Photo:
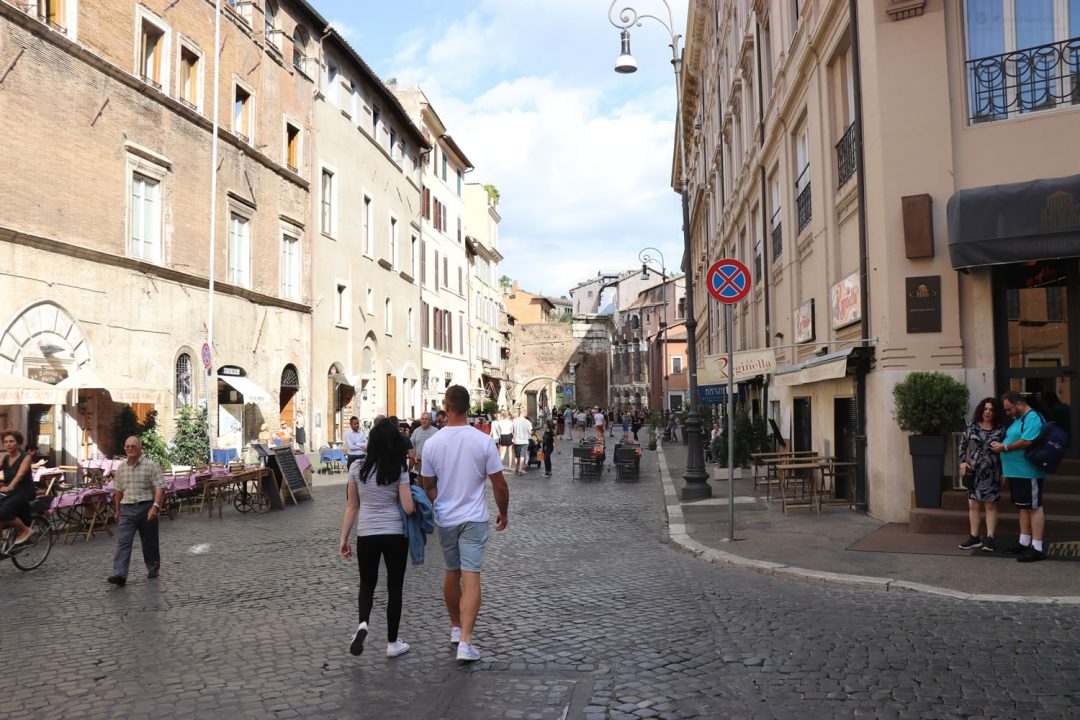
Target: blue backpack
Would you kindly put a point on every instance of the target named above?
(1046, 451)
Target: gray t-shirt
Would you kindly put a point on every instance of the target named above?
(420, 436)
(379, 504)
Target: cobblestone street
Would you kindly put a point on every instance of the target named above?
(587, 613)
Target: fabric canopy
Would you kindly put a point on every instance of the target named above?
(1036, 220)
(18, 390)
(122, 389)
(827, 367)
(252, 393)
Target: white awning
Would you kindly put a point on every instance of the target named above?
(19, 390)
(827, 367)
(252, 393)
(121, 389)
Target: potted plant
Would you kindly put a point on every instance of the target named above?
(655, 421)
(929, 405)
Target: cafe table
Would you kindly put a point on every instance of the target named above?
(799, 479)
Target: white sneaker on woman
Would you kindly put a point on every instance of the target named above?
(396, 648)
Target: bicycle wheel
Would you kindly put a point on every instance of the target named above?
(242, 501)
(41, 541)
(260, 502)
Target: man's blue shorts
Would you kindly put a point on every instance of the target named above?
(463, 545)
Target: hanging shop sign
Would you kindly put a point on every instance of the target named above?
(923, 304)
(846, 301)
(804, 322)
(713, 369)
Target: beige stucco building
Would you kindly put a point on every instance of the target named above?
(855, 271)
(487, 371)
(106, 220)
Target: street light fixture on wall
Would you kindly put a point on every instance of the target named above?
(646, 259)
(697, 486)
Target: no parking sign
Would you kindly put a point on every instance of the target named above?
(728, 280)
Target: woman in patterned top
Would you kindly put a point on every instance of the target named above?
(975, 457)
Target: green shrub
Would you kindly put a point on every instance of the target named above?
(751, 436)
(154, 446)
(191, 443)
(930, 403)
(125, 425)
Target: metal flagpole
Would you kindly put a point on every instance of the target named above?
(731, 420)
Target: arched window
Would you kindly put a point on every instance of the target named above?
(184, 383)
(270, 23)
(389, 317)
(299, 53)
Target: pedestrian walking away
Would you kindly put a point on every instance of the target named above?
(139, 492)
(504, 429)
(598, 423)
(456, 463)
(549, 442)
(1022, 477)
(568, 422)
(378, 492)
(980, 470)
(522, 430)
(356, 441)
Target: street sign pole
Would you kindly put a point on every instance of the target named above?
(731, 419)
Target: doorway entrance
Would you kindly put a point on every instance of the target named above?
(802, 436)
(1036, 347)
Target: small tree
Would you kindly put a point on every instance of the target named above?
(125, 425)
(191, 443)
(930, 403)
(751, 436)
(154, 446)
(490, 407)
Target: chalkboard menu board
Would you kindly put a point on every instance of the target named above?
(284, 465)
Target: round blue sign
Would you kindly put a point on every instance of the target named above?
(728, 280)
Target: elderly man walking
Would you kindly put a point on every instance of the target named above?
(140, 489)
(458, 461)
(420, 436)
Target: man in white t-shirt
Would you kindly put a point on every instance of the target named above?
(455, 463)
(355, 442)
(598, 423)
(522, 430)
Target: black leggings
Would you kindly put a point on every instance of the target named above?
(369, 549)
(547, 460)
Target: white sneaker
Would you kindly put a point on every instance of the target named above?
(396, 648)
(455, 635)
(357, 645)
(467, 652)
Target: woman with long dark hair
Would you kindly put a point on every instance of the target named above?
(982, 470)
(17, 490)
(378, 491)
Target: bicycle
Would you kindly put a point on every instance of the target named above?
(31, 554)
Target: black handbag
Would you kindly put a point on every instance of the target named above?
(968, 480)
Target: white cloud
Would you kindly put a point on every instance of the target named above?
(346, 30)
(581, 156)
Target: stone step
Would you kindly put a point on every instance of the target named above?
(1064, 504)
(955, 522)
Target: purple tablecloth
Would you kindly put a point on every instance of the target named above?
(81, 496)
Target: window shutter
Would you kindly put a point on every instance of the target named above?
(426, 202)
(436, 269)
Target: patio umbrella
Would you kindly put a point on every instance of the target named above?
(122, 389)
(18, 390)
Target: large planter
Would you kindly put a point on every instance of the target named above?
(928, 468)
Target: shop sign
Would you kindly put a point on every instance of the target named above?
(47, 375)
(846, 301)
(804, 322)
(713, 368)
(231, 371)
(923, 304)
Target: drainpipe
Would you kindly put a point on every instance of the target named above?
(864, 264)
(764, 216)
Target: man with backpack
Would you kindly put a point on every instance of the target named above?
(1023, 477)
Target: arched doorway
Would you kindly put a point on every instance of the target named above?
(287, 396)
(339, 397)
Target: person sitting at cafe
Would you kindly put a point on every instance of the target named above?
(18, 490)
(283, 436)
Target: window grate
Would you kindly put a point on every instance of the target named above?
(1023, 81)
(845, 156)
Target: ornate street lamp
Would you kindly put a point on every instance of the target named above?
(697, 486)
(646, 259)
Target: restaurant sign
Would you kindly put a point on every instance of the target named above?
(231, 371)
(47, 375)
(846, 301)
(804, 322)
(713, 369)
(923, 304)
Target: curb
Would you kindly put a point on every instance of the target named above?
(679, 539)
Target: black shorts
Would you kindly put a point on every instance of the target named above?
(506, 440)
(1027, 493)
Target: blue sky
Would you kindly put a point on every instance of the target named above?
(581, 155)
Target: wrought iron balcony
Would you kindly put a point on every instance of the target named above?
(803, 203)
(1023, 81)
(845, 156)
(777, 241)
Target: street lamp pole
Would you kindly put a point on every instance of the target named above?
(645, 259)
(697, 486)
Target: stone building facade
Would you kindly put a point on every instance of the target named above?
(856, 193)
(105, 225)
(489, 352)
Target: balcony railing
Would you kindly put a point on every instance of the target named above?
(1023, 81)
(777, 241)
(803, 204)
(845, 156)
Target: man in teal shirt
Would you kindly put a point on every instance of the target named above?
(1024, 479)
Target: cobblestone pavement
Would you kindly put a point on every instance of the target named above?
(587, 614)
